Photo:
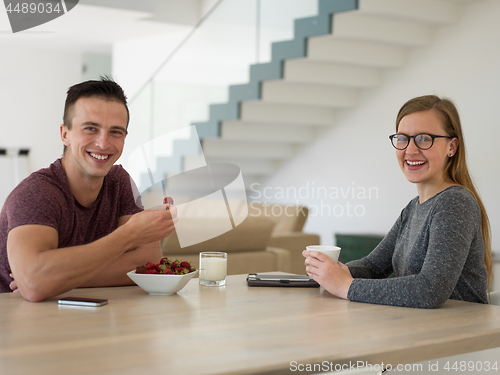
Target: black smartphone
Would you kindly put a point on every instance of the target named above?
(83, 301)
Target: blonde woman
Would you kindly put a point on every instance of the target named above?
(439, 247)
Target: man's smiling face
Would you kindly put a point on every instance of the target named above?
(96, 138)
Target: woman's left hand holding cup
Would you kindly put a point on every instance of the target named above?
(332, 275)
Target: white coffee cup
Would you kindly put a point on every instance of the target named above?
(332, 251)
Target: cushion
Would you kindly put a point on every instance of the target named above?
(288, 218)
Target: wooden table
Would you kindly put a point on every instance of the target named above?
(227, 330)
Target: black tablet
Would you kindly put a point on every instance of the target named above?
(296, 281)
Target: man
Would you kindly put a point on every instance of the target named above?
(76, 223)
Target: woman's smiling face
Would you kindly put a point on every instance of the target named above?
(425, 167)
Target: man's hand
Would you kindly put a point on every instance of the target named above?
(152, 225)
(13, 285)
(143, 253)
(335, 277)
(43, 270)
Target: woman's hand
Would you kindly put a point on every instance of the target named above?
(335, 277)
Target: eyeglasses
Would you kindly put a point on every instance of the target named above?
(422, 141)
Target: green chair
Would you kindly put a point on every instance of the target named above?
(356, 246)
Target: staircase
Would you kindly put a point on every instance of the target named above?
(291, 101)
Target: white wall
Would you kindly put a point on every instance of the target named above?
(463, 64)
(32, 93)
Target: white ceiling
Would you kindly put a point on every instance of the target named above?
(87, 28)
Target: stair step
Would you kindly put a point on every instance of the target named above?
(255, 167)
(261, 111)
(219, 148)
(193, 161)
(279, 91)
(361, 53)
(330, 73)
(353, 25)
(268, 132)
(434, 12)
(289, 101)
(248, 166)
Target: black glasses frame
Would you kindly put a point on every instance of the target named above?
(433, 137)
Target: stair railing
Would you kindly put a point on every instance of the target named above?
(215, 55)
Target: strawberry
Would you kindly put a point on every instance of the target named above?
(181, 270)
(161, 267)
(166, 267)
(168, 200)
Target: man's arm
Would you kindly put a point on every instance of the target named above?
(116, 273)
(42, 270)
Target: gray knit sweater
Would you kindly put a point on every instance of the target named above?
(435, 251)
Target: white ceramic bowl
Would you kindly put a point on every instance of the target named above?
(156, 284)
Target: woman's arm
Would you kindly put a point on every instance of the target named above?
(337, 278)
(378, 264)
(451, 231)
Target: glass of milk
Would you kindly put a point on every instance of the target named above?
(213, 268)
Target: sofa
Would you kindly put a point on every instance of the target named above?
(269, 239)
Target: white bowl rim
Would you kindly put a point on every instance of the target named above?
(160, 274)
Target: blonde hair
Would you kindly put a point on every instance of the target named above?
(456, 168)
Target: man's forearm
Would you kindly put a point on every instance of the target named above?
(41, 274)
(42, 270)
(115, 274)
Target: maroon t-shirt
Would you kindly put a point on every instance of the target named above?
(45, 198)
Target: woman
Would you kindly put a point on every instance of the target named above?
(439, 247)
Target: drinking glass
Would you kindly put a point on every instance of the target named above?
(213, 268)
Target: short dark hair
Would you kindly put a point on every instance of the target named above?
(105, 88)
